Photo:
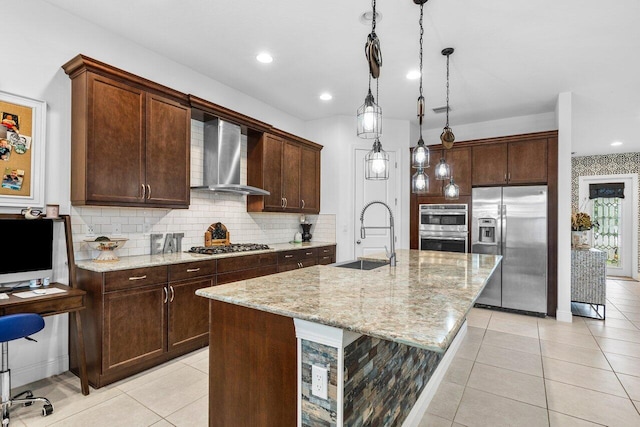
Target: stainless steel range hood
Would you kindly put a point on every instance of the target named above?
(222, 150)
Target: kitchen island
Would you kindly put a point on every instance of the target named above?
(381, 335)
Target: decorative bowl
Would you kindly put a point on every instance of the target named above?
(106, 248)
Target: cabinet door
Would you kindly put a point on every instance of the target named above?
(459, 159)
(135, 325)
(528, 162)
(167, 152)
(310, 180)
(489, 164)
(272, 171)
(291, 155)
(115, 142)
(188, 314)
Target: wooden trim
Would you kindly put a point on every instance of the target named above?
(552, 227)
(295, 138)
(204, 110)
(502, 139)
(82, 63)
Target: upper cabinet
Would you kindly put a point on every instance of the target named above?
(130, 139)
(510, 163)
(286, 166)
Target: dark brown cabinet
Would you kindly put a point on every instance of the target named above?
(130, 143)
(137, 318)
(459, 160)
(246, 267)
(286, 167)
(298, 258)
(514, 162)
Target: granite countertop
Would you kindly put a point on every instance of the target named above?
(421, 302)
(141, 261)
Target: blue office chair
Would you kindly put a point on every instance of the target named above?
(12, 327)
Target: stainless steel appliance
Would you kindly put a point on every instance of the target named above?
(225, 249)
(221, 156)
(512, 222)
(444, 227)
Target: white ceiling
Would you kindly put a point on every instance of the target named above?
(512, 57)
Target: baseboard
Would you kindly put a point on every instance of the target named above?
(564, 316)
(28, 374)
(421, 405)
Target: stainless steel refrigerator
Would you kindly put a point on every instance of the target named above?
(512, 222)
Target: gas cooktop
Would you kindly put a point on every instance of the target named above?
(236, 247)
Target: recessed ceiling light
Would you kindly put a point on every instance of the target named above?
(367, 17)
(413, 75)
(326, 96)
(265, 58)
(616, 144)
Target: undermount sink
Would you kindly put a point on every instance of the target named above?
(361, 264)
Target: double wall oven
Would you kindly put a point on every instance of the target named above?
(444, 227)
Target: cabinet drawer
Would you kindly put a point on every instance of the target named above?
(250, 273)
(294, 265)
(297, 255)
(244, 262)
(188, 270)
(326, 250)
(134, 278)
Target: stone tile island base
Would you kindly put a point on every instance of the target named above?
(260, 373)
(371, 381)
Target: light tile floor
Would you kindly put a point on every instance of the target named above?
(511, 370)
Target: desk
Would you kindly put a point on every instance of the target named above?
(71, 301)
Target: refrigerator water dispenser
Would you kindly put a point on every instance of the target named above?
(487, 230)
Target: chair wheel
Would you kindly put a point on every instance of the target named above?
(47, 410)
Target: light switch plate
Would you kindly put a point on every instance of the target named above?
(319, 381)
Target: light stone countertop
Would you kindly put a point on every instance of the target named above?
(141, 261)
(421, 302)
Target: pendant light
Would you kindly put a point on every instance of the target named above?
(376, 163)
(447, 137)
(443, 171)
(420, 154)
(370, 113)
(451, 190)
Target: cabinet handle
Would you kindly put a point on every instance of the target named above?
(166, 295)
(138, 277)
(326, 251)
(288, 256)
(309, 253)
(173, 293)
(285, 202)
(192, 270)
(509, 176)
(505, 177)
(144, 191)
(282, 202)
(302, 203)
(148, 191)
(300, 264)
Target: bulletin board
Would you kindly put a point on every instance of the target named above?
(22, 131)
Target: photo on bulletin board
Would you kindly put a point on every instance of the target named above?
(22, 150)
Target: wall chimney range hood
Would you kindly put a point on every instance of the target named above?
(222, 150)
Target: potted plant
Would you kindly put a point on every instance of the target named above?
(580, 224)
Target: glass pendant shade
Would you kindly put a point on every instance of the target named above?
(420, 155)
(376, 163)
(443, 171)
(369, 118)
(451, 190)
(420, 182)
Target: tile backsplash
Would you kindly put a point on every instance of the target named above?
(136, 224)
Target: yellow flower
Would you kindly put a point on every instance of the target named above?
(580, 221)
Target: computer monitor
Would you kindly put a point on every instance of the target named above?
(27, 250)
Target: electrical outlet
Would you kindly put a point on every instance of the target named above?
(117, 229)
(319, 381)
(90, 230)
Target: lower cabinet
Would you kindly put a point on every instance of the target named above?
(138, 318)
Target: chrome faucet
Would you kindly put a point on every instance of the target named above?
(392, 253)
